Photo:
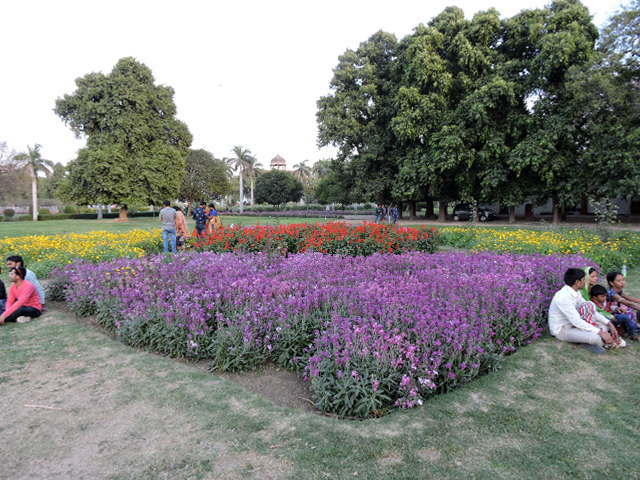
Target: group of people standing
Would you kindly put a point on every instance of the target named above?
(174, 227)
(390, 213)
(26, 296)
(586, 312)
(174, 224)
(207, 218)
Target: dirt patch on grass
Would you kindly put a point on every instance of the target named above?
(241, 465)
(390, 458)
(278, 385)
(428, 454)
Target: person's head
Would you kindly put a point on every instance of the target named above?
(166, 203)
(593, 276)
(212, 206)
(17, 274)
(575, 278)
(598, 293)
(616, 280)
(203, 204)
(15, 261)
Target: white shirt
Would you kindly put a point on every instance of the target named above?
(564, 311)
(33, 279)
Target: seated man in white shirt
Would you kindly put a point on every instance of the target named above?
(565, 322)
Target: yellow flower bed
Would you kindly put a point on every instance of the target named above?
(611, 253)
(42, 253)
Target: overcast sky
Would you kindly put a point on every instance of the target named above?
(245, 72)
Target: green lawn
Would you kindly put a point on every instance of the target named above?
(50, 227)
(79, 404)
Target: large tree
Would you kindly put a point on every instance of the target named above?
(206, 177)
(244, 163)
(277, 187)
(136, 148)
(34, 163)
(356, 115)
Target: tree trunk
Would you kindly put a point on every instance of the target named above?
(252, 187)
(34, 195)
(584, 205)
(512, 214)
(442, 211)
(241, 192)
(412, 207)
(428, 213)
(124, 214)
(556, 212)
(400, 208)
(99, 210)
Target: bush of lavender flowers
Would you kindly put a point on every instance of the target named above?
(369, 333)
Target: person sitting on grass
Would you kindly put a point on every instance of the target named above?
(23, 303)
(565, 322)
(594, 312)
(16, 261)
(623, 305)
(3, 295)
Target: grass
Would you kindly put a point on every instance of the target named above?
(51, 227)
(551, 411)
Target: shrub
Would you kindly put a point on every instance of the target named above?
(9, 213)
(370, 333)
(69, 209)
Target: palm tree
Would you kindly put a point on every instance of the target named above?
(34, 162)
(242, 161)
(252, 170)
(302, 171)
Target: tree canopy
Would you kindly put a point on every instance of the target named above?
(206, 178)
(277, 187)
(487, 109)
(136, 148)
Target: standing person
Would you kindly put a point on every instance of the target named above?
(200, 216)
(565, 322)
(214, 218)
(14, 261)
(378, 213)
(23, 303)
(181, 228)
(395, 214)
(168, 219)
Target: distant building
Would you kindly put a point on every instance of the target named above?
(278, 163)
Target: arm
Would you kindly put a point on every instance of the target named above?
(629, 301)
(601, 319)
(568, 308)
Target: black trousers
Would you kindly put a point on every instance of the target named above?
(23, 312)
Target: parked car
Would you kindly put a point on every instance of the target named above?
(463, 212)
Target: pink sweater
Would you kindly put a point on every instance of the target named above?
(25, 296)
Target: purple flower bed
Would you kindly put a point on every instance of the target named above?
(369, 333)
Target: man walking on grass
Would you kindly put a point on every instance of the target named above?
(565, 322)
(168, 219)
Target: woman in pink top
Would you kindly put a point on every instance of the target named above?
(23, 303)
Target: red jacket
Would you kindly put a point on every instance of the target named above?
(25, 296)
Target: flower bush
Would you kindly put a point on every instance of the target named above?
(369, 333)
(333, 238)
(619, 249)
(42, 253)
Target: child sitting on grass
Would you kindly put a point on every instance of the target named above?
(595, 313)
(623, 305)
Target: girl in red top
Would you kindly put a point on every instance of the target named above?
(23, 303)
